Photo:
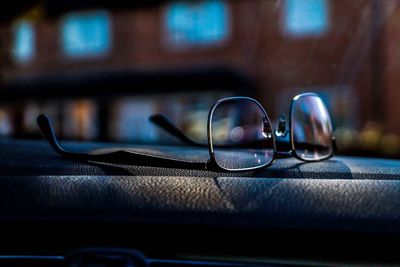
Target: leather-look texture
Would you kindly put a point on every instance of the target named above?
(227, 201)
(342, 193)
(19, 158)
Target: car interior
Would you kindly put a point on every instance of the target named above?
(221, 133)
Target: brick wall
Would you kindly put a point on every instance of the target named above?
(350, 53)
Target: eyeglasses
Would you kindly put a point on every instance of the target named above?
(240, 137)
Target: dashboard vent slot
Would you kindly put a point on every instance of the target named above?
(32, 261)
(196, 263)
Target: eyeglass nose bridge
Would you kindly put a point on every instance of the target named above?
(267, 129)
(281, 130)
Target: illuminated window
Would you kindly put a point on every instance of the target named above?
(198, 23)
(24, 41)
(86, 34)
(306, 17)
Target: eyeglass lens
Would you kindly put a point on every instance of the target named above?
(311, 128)
(241, 135)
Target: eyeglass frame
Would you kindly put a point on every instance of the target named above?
(212, 164)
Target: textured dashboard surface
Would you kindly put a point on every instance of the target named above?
(230, 201)
(19, 158)
(341, 193)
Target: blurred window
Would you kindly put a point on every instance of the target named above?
(80, 119)
(24, 41)
(86, 34)
(6, 127)
(131, 121)
(306, 17)
(197, 23)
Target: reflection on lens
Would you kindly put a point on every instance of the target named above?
(241, 135)
(311, 128)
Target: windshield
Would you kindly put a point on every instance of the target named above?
(100, 71)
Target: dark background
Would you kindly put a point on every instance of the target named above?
(178, 57)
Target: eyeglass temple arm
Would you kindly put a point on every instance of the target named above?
(334, 145)
(162, 122)
(48, 132)
(118, 156)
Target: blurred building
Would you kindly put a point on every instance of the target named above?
(345, 50)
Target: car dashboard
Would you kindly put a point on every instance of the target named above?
(339, 212)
